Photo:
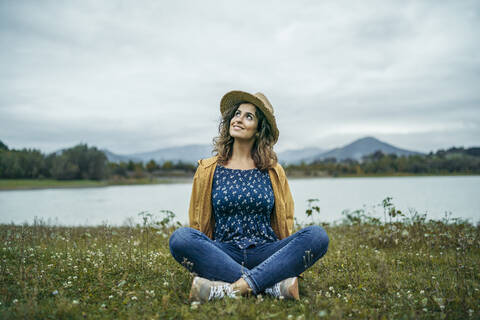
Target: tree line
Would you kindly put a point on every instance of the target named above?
(77, 163)
(137, 170)
(84, 162)
(451, 161)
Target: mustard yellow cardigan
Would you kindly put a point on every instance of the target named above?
(200, 211)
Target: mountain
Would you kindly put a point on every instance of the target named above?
(297, 155)
(188, 153)
(191, 153)
(112, 157)
(362, 147)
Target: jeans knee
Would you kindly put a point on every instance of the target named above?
(179, 240)
(319, 238)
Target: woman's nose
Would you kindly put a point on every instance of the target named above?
(238, 119)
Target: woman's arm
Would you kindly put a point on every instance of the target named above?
(192, 212)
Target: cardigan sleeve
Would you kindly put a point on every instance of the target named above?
(289, 205)
(193, 215)
(285, 223)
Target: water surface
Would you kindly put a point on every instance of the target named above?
(434, 196)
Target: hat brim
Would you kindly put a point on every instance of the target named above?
(233, 98)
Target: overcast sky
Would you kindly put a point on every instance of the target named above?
(134, 76)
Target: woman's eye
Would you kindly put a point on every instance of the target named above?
(237, 113)
(249, 117)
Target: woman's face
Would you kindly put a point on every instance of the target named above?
(244, 122)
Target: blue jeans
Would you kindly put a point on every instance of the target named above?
(261, 266)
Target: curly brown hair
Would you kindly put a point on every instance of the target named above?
(262, 150)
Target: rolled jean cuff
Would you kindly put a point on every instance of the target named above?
(251, 283)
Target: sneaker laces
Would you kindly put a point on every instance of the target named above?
(274, 291)
(218, 292)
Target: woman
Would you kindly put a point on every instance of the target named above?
(241, 212)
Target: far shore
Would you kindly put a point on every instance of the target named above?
(29, 184)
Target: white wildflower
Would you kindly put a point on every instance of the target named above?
(322, 313)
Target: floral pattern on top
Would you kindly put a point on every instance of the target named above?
(242, 202)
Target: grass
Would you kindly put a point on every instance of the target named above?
(406, 174)
(20, 184)
(14, 184)
(393, 269)
(322, 174)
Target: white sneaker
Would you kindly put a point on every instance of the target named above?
(287, 289)
(204, 290)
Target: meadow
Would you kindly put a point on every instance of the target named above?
(22, 184)
(400, 267)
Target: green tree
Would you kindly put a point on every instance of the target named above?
(3, 146)
(131, 165)
(10, 165)
(119, 169)
(32, 163)
(167, 165)
(63, 168)
(151, 166)
(79, 162)
(26, 163)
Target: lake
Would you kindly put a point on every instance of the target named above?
(113, 205)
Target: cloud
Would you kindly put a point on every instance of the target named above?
(137, 77)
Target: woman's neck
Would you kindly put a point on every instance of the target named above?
(241, 156)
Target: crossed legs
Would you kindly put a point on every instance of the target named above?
(253, 269)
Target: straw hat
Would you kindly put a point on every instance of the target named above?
(258, 99)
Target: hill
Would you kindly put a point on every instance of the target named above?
(186, 154)
(191, 153)
(360, 148)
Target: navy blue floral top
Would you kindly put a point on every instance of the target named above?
(242, 202)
